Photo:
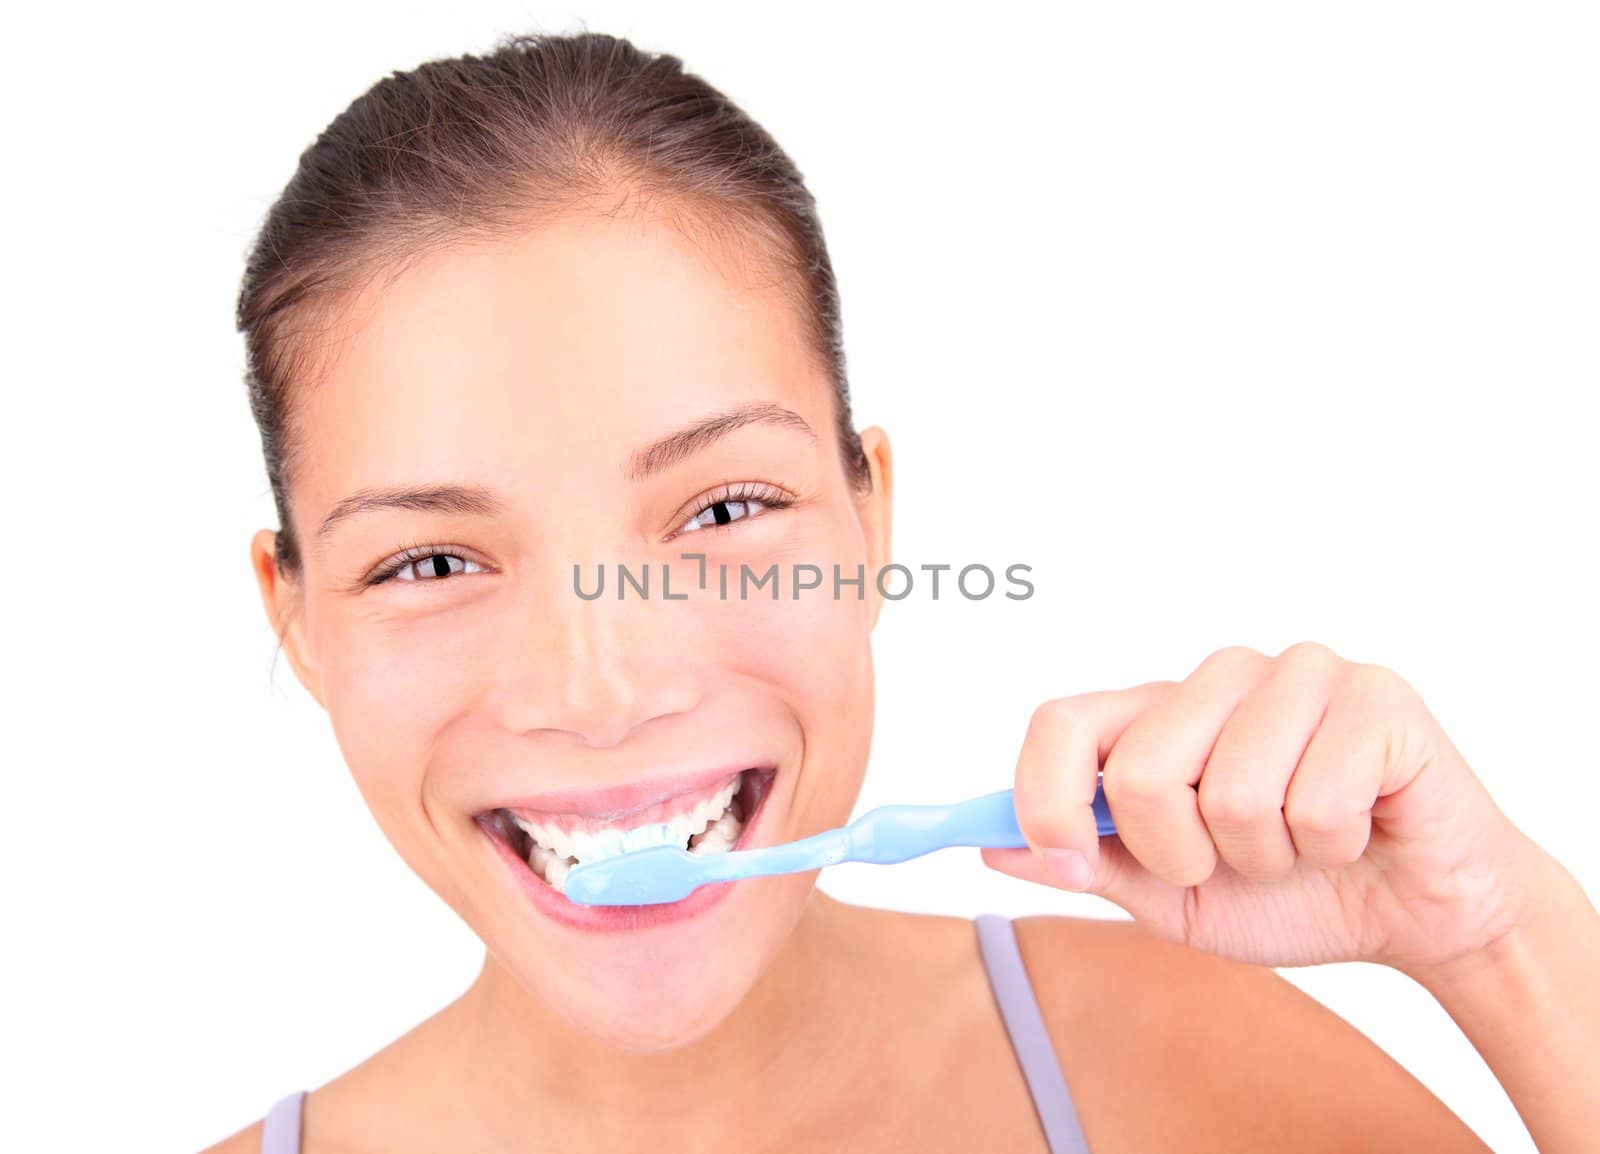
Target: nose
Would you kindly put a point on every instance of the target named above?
(596, 670)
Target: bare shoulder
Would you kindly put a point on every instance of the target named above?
(368, 1105)
(246, 1141)
(1156, 1039)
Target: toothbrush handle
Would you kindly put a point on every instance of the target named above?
(895, 833)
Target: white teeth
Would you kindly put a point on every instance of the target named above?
(706, 812)
(709, 827)
(646, 836)
(719, 837)
(556, 872)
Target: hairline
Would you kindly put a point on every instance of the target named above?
(743, 234)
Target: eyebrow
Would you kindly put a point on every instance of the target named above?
(423, 499)
(674, 447)
(474, 499)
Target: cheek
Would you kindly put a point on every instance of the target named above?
(814, 644)
(392, 687)
(814, 652)
(816, 649)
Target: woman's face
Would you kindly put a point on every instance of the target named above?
(599, 392)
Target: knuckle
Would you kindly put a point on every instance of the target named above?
(1231, 802)
(1131, 778)
(1317, 817)
(1054, 709)
(1309, 655)
(1233, 659)
(1375, 683)
(1055, 716)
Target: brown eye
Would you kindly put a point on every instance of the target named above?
(721, 513)
(435, 566)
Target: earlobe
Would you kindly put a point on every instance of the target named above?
(280, 598)
(877, 508)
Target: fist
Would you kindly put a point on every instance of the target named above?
(1283, 810)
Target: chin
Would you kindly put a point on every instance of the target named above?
(640, 979)
(668, 986)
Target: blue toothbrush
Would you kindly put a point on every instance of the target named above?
(891, 833)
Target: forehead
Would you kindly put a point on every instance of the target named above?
(587, 329)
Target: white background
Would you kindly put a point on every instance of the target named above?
(1240, 323)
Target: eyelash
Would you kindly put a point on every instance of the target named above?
(411, 554)
(768, 496)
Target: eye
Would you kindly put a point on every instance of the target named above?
(732, 504)
(423, 564)
(722, 512)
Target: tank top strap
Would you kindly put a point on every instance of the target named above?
(1019, 1009)
(1008, 978)
(280, 1131)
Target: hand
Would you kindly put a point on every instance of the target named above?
(1281, 810)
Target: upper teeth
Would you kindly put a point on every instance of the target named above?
(711, 818)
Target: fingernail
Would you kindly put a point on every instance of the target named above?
(1070, 867)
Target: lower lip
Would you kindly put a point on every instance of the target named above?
(606, 919)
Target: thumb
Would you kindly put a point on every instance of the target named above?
(1114, 874)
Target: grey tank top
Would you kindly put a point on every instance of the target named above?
(1008, 978)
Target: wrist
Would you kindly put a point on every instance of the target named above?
(1511, 966)
(1528, 1003)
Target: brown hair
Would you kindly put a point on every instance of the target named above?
(478, 145)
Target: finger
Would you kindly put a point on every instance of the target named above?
(1345, 768)
(1246, 778)
(1058, 772)
(1020, 863)
(1118, 877)
(1152, 768)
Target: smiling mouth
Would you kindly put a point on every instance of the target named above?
(704, 821)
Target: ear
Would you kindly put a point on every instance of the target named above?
(281, 597)
(876, 508)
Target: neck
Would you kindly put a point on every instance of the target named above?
(795, 1036)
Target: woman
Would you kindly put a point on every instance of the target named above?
(521, 320)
